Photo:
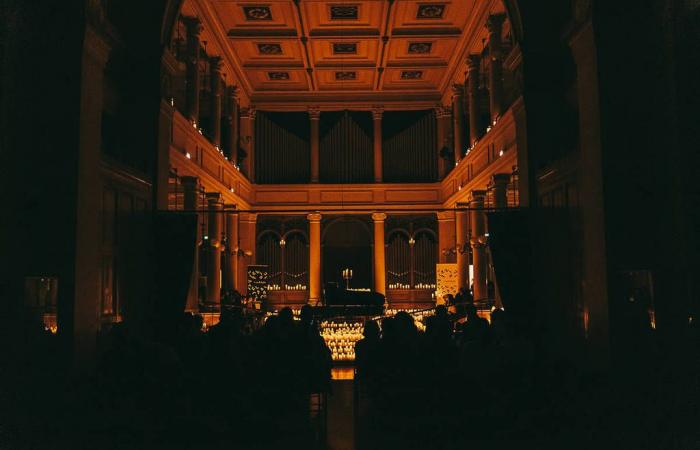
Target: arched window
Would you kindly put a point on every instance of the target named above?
(295, 274)
(398, 261)
(424, 257)
(269, 253)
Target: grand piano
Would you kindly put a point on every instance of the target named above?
(352, 302)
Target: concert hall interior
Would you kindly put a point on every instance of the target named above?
(350, 224)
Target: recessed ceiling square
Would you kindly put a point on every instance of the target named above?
(345, 48)
(411, 74)
(419, 47)
(430, 11)
(269, 48)
(278, 76)
(257, 12)
(346, 75)
(344, 12)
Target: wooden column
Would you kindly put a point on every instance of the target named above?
(379, 253)
(473, 63)
(190, 204)
(86, 306)
(478, 243)
(231, 267)
(314, 121)
(462, 244)
(446, 236)
(215, 103)
(247, 237)
(214, 270)
(442, 116)
(314, 258)
(232, 118)
(458, 120)
(500, 190)
(495, 26)
(194, 28)
(377, 119)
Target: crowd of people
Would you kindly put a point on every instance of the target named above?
(463, 379)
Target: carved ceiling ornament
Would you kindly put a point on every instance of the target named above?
(344, 48)
(430, 11)
(411, 74)
(419, 47)
(259, 12)
(344, 12)
(269, 48)
(346, 75)
(278, 76)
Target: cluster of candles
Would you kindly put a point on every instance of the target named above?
(347, 273)
(288, 287)
(408, 286)
(341, 338)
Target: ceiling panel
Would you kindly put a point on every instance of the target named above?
(345, 79)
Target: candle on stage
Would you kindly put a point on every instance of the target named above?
(347, 275)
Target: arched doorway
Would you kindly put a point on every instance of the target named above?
(347, 244)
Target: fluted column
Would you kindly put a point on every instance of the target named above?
(442, 115)
(215, 104)
(379, 251)
(314, 120)
(194, 28)
(478, 243)
(248, 131)
(377, 119)
(247, 224)
(189, 185)
(500, 190)
(473, 64)
(314, 258)
(495, 26)
(232, 119)
(215, 247)
(231, 268)
(458, 120)
(462, 244)
(446, 236)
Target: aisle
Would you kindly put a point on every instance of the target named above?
(341, 429)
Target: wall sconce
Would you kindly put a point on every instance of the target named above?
(411, 241)
(283, 242)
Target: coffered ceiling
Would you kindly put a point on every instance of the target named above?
(367, 50)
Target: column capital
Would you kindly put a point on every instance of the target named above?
(457, 90)
(377, 112)
(232, 91)
(442, 111)
(248, 217)
(500, 178)
(193, 24)
(248, 112)
(215, 64)
(314, 217)
(231, 207)
(494, 23)
(446, 216)
(214, 197)
(477, 196)
(314, 113)
(378, 217)
(473, 62)
(187, 180)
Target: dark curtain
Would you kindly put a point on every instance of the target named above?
(408, 146)
(282, 149)
(346, 147)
